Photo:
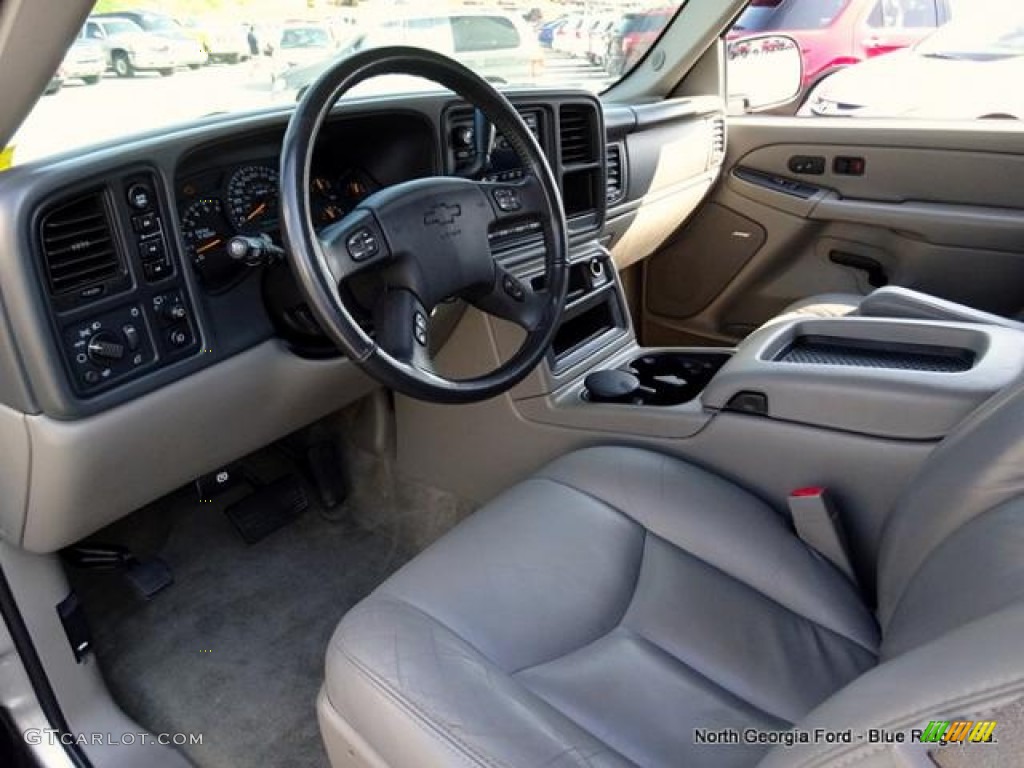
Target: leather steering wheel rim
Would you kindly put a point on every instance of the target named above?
(426, 236)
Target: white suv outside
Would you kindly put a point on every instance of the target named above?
(498, 45)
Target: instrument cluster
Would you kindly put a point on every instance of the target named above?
(218, 204)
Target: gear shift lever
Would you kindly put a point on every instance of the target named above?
(611, 386)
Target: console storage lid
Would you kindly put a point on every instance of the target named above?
(900, 379)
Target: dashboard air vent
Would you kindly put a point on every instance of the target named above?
(615, 175)
(577, 131)
(78, 244)
(717, 140)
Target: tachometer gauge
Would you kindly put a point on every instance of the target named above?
(252, 196)
(207, 231)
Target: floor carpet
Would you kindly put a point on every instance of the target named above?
(234, 649)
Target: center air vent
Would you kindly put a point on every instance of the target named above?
(578, 129)
(615, 175)
(78, 244)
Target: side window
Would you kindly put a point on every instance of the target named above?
(483, 33)
(94, 31)
(904, 14)
(881, 59)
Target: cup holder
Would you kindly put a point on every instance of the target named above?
(673, 378)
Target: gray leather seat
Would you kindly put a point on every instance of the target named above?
(601, 611)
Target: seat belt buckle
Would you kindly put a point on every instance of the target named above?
(817, 523)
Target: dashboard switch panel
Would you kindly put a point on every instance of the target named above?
(171, 315)
(107, 348)
(111, 337)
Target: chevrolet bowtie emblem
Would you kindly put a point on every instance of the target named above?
(442, 215)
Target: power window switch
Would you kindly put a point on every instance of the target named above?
(807, 165)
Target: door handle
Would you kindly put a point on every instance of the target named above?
(877, 276)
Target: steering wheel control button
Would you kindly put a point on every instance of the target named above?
(507, 199)
(513, 288)
(362, 244)
(140, 197)
(420, 329)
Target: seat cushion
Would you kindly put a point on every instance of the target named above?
(597, 614)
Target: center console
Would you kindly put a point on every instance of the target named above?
(907, 379)
(893, 378)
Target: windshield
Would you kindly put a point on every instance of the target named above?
(981, 40)
(232, 56)
(774, 15)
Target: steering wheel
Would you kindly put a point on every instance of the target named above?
(426, 239)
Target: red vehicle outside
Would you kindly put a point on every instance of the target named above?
(833, 34)
(631, 38)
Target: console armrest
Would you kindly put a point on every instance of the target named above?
(893, 301)
(893, 378)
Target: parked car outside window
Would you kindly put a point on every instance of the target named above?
(959, 73)
(833, 34)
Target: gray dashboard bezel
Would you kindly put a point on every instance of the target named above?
(33, 378)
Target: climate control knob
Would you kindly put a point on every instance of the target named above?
(105, 347)
(172, 313)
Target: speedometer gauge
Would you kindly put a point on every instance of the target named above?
(252, 198)
(207, 232)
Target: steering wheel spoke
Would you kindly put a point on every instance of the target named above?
(354, 244)
(402, 326)
(514, 300)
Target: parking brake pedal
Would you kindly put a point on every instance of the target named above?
(268, 508)
(146, 576)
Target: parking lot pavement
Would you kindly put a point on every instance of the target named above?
(88, 114)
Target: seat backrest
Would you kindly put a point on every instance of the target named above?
(950, 600)
(953, 549)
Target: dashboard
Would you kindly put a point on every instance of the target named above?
(129, 273)
(135, 356)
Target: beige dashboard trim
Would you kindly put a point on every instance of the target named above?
(85, 474)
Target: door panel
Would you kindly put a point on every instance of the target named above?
(933, 208)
